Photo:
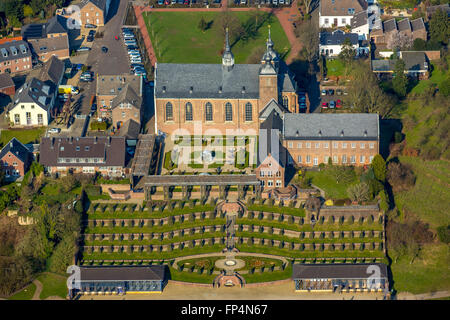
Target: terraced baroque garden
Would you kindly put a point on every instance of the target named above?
(161, 232)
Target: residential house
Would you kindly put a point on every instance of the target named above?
(32, 103)
(385, 35)
(53, 70)
(330, 43)
(126, 106)
(416, 64)
(346, 138)
(338, 13)
(15, 56)
(48, 39)
(7, 86)
(94, 12)
(105, 155)
(110, 86)
(15, 159)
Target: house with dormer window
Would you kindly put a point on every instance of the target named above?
(339, 13)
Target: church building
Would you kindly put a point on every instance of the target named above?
(223, 96)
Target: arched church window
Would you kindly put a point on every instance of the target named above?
(208, 112)
(228, 112)
(285, 102)
(248, 112)
(189, 113)
(169, 111)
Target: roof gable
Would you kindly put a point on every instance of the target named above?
(17, 148)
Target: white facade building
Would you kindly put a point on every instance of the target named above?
(338, 13)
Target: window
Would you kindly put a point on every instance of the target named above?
(344, 159)
(325, 159)
(270, 183)
(362, 159)
(353, 145)
(28, 116)
(299, 159)
(123, 114)
(308, 145)
(344, 21)
(17, 119)
(290, 144)
(327, 21)
(278, 174)
(335, 145)
(40, 119)
(353, 159)
(278, 184)
(316, 161)
(285, 102)
(78, 148)
(344, 145)
(169, 112)
(86, 148)
(261, 173)
(299, 145)
(228, 112)
(189, 115)
(363, 145)
(325, 145)
(263, 183)
(335, 159)
(317, 145)
(371, 145)
(208, 112)
(14, 164)
(308, 159)
(248, 112)
(269, 173)
(370, 159)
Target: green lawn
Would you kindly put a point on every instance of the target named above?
(437, 76)
(25, 294)
(177, 39)
(24, 136)
(335, 68)
(326, 182)
(428, 273)
(53, 285)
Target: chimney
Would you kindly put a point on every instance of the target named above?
(320, 133)
(220, 89)
(297, 134)
(342, 133)
(365, 133)
(243, 89)
(95, 140)
(191, 89)
(164, 89)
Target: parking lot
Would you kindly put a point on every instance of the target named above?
(332, 94)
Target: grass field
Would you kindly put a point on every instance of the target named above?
(177, 39)
(326, 182)
(24, 136)
(25, 294)
(335, 68)
(428, 273)
(53, 285)
(429, 199)
(437, 76)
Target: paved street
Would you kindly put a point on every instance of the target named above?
(114, 62)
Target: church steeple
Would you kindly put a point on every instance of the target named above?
(269, 40)
(227, 57)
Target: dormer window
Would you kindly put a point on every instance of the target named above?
(342, 133)
(365, 133)
(77, 148)
(86, 148)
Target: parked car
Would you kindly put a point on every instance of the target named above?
(104, 49)
(324, 92)
(90, 26)
(83, 49)
(160, 2)
(132, 48)
(324, 105)
(338, 92)
(54, 130)
(302, 105)
(167, 2)
(331, 92)
(186, 2)
(332, 104)
(338, 103)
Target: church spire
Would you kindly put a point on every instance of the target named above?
(269, 40)
(227, 57)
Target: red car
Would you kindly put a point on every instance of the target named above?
(186, 2)
(338, 103)
(324, 105)
(167, 2)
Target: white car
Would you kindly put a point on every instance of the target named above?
(54, 130)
